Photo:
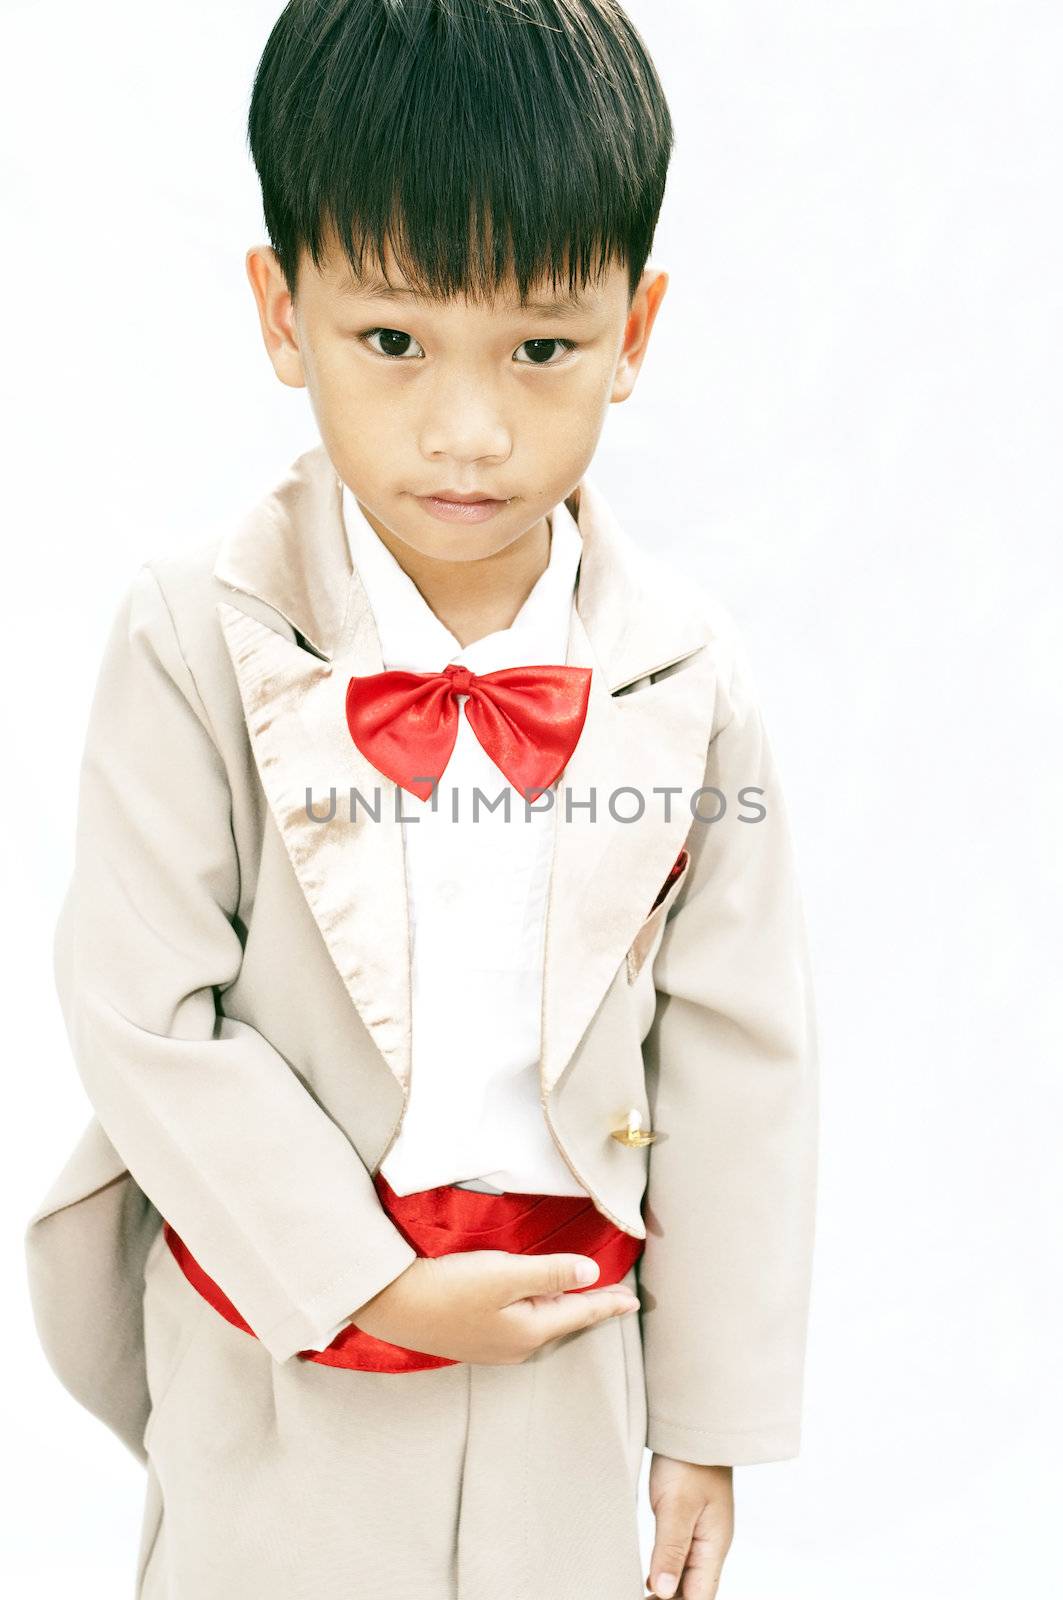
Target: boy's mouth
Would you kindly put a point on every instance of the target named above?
(465, 497)
(452, 506)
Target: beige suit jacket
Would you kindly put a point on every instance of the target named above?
(235, 976)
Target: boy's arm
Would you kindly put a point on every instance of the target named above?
(732, 1076)
(212, 1122)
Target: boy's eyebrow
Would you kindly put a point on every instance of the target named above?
(569, 305)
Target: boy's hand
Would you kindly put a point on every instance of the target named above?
(491, 1306)
(694, 1508)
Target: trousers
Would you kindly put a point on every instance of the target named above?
(300, 1481)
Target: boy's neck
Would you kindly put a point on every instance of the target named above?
(475, 598)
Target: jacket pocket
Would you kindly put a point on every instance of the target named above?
(648, 938)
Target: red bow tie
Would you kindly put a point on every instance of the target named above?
(528, 719)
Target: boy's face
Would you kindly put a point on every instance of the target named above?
(416, 399)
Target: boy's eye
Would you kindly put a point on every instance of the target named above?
(393, 343)
(541, 349)
(399, 346)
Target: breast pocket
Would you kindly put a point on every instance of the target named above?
(644, 945)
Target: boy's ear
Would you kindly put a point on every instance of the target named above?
(276, 315)
(640, 320)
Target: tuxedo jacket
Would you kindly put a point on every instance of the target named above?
(234, 975)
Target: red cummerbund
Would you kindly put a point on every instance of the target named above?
(443, 1221)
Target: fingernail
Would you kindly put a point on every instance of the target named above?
(587, 1272)
(666, 1585)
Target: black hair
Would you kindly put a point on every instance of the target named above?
(477, 137)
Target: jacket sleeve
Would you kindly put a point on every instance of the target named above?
(325, 1339)
(212, 1122)
(732, 1078)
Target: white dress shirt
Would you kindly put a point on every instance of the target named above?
(477, 894)
(477, 901)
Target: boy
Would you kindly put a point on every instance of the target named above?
(373, 1082)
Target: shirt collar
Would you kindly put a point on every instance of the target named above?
(414, 639)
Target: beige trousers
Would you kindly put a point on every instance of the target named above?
(298, 1481)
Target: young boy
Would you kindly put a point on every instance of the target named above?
(378, 1066)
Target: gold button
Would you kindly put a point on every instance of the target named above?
(632, 1132)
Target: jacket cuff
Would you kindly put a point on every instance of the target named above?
(306, 1327)
(737, 1447)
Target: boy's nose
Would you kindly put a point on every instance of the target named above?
(466, 433)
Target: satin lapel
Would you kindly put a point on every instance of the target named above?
(606, 872)
(351, 867)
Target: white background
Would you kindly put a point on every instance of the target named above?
(849, 426)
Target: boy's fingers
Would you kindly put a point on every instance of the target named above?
(675, 1529)
(567, 1312)
(553, 1274)
(700, 1573)
(701, 1580)
(540, 1288)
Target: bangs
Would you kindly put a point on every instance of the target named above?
(475, 139)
